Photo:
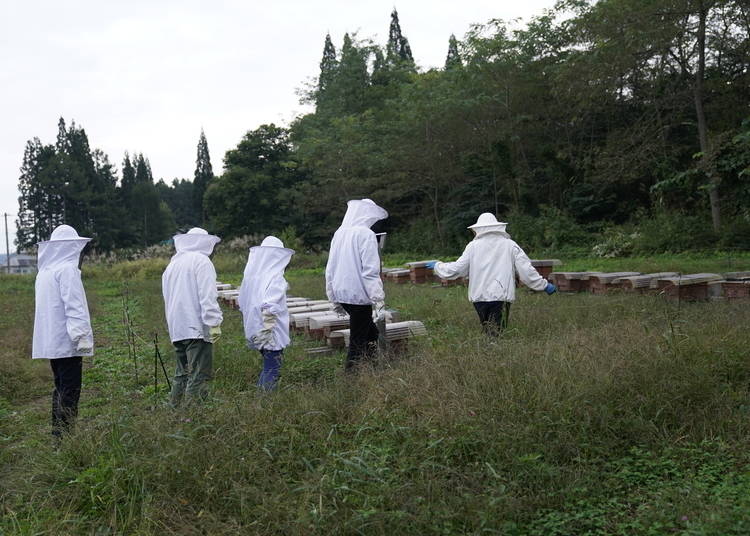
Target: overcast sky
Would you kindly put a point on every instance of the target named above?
(147, 75)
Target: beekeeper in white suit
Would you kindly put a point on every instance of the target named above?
(193, 313)
(353, 276)
(62, 328)
(263, 305)
(491, 262)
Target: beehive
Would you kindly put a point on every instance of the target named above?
(736, 290)
(640, 283)
(689, 287)
(603, 282)
(418, 271)
(571, 281)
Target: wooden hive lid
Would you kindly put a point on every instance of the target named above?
(686, 279)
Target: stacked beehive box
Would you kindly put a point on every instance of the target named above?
(571, 281)
(602, 282)
(689, 287)
(640, 283)
(419, 273)
(545, 266)
(396, 331)
(400, 277)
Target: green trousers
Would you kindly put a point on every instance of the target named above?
(192, 371)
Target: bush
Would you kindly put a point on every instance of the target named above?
(664, 232)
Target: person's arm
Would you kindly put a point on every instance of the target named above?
(274, 298)
(77, 321)
(208, 296)
(455, 269)
(526, 272)
(329, 270)
(370, 258)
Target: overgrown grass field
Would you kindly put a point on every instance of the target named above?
(591, 415)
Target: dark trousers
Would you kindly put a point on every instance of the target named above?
(67, 373)
(363, 334)
(271, 369)
(193, 370)
(493, 315)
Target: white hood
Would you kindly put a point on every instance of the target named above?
(61, 317)
(264, 289)
(189, 287)
(196, 240)
(270, 258)
(353, 269)
(63, 247)
(363, 213)
(487, 223)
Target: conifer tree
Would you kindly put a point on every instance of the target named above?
(143, 171)
(203, 176)
(351, 81)
(398, 50)
(453, 59)
(328, 66)
(30, 223)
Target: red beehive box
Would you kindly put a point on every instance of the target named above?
(736, 290)
(690, 287)
(571, 281)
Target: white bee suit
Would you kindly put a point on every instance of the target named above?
(264, 289)
(353, 269)
(61, 317)
(189, 287)
(491, 261)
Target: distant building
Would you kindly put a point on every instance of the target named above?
(19, 264)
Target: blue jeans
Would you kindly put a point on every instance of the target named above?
(271, 369)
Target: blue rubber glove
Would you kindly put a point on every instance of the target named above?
(430, 264)
(550, 288)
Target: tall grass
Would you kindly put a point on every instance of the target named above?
(591, 415)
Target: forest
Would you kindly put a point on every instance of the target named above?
(617, 127)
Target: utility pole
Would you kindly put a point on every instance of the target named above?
(7, 246)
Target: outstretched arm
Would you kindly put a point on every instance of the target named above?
(456, 269)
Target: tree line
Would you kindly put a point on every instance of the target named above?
(68, 182)
(631, 113)
(591, 116)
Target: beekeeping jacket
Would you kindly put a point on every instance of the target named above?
(353, 269)
(61, 317)
(264, 289)
(189, 287)
(491, 261)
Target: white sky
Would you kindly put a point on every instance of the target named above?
(146, 75)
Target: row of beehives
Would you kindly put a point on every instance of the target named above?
(731, 285)
(417, 272)
(318, 321)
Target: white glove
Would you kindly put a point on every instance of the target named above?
(263, 339)
(339, 310)
(269, 320)
(214, 334)
(85, 345)
(379, 310)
